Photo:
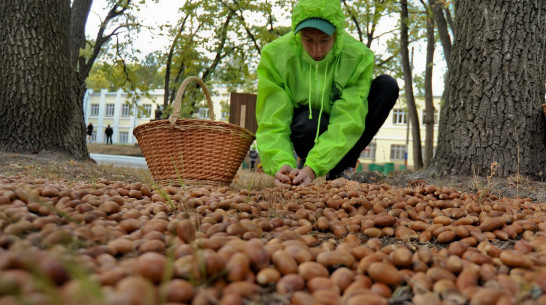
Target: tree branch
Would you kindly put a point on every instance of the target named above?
(245, 26)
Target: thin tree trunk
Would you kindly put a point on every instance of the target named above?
(219, 49)
(428, 120)
(38, 106)
(168, 63)
(78, 19)
(443, 31)
(493, 109)
(408, 88)
(79, 12)
(437, 7)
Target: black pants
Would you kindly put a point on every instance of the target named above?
(109, 139)
(382, 97)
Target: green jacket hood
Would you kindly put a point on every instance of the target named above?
(324, 9)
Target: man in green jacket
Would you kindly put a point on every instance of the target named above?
(316, 97)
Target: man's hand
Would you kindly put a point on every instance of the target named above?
(288, 176)
(283, 176)
(304, 176)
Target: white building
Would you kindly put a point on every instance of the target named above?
(114, 108)
(394, 139)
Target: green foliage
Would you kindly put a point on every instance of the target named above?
(419, 82)
(222, 46)
(143, 76)
(221, 40)
(225, 108)
(99, 78)
(364, 17)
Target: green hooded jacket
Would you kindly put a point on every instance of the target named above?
(289, 78)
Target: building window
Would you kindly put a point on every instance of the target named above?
(94, 136)
(110, 109)
(435, 116)
(125, 110)
(94, 110)
(398, 152)
(399, 117)
(123, 137)
(146, 110)
(369, 152)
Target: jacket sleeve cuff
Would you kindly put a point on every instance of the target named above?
(318, 171)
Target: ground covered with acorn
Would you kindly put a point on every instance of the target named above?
(77, 233)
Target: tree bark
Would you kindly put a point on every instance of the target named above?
(408, 88)
(496, 88)
(38, 105)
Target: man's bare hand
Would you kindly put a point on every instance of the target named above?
(283, 178)
(304, 176)
(288, 176)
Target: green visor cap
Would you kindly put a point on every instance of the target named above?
(319, 24)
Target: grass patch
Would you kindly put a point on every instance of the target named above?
(117, 149)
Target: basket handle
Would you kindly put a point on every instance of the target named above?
(178, 100)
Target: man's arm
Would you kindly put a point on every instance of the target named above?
(274, 111)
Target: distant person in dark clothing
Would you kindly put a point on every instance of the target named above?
(158, 113)
(89, 132)
(109, 131)
(253, 156)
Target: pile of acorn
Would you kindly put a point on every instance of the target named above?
(336, 242)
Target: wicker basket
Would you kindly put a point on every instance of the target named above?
(193, 151)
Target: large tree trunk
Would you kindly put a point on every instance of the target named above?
(408, 88)
(496, 88)
(38, 105)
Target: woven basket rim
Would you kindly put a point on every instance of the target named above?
(167, 124)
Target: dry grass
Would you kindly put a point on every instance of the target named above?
(118, 149)
(55, 167)
(245, 179)
(58, 167)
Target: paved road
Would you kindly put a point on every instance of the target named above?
(121, 161)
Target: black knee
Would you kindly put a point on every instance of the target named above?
(303, 126)
(388, 86)
(304, 130)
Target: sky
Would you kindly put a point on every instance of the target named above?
(166, 11)
(151, 14)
